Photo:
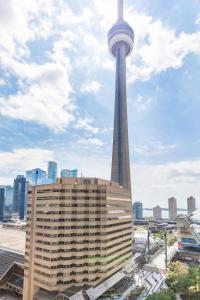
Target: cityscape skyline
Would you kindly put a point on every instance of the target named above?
(163, 155)
(88, 235)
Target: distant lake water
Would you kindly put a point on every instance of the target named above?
(165, 213)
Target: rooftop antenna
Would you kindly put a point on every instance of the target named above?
(120, 9)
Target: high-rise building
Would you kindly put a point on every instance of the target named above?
(20, 196)
(36, 176)
(172, 203)
(52, 171)
(157, 213)
(137, 210)
(191, 204)
(83, 237)
(65, 173)
(9, 195)
(2, 202)
(120, 41)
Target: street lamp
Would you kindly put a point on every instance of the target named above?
(166, 254)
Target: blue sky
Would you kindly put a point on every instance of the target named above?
(57, 92)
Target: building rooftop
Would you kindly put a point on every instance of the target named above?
(196, 217)
(7, 259)
(12, 239)
(87, 180)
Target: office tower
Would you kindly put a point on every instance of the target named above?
(137, 210)
(120, 41)
(83, 237)
(157, 213)
(172, 202)
(20, 196)
(2, 202)
(36, 176)
(65, 173)
(52, 171)
(191, 204)
(9, 195)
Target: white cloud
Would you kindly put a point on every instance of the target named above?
(141, 103)
(155, 183)
(91, 142)
(198, 20)
(86, 125)
(19, 160)
(2, 82)
(157, 47)
(154, 148)
(91, 87)
(45, 98)
(44, 89)
(78, 40)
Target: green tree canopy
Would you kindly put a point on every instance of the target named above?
(164, 295)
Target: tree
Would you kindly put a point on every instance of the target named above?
(164, 295)
(185, 280)
(176, 276)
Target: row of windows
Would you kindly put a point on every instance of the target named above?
(84, 241)
(79, 257)
(61, 266)
(72, 273)
(84, 249)
(77, 227)
(61, 282)
(70, 198)
(78, 204)
(76, 265)
(73, 220)
(60, 220)
(69, 191)
(78, 220)
(84, 234)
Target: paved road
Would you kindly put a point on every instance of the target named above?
(159, 260)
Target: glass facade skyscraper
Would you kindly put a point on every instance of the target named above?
(138, 210)
(9, 195)
(2, 202)
(36, 176)
(52, 171)
(20, 196)
(69, 173)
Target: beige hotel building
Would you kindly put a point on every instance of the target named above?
(79, 232)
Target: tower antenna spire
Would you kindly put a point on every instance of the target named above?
(120, 9)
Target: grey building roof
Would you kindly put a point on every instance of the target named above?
(7, 259)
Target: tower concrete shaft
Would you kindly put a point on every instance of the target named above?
(120, 41)
(120, 157)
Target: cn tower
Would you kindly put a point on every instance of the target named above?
(120, 42)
